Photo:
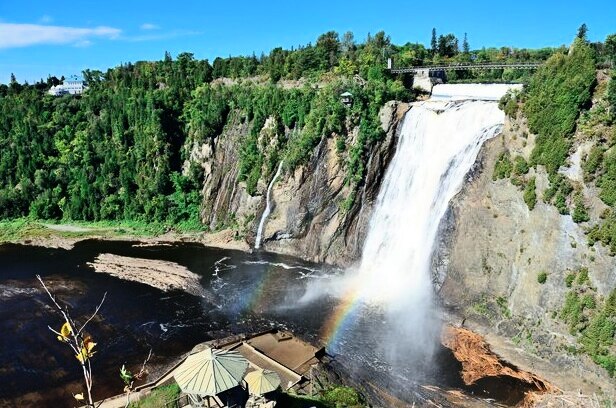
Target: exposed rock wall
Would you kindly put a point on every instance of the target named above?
(307, 219)
(225, 201)
(491, 251)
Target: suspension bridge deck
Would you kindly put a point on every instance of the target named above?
(460, 67)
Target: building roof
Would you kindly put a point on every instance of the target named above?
(346, 94)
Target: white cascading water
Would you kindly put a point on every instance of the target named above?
(439, 142)
(268, 208)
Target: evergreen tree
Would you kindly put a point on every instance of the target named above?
(433, 43)
(610, 48)
(582, 31)
(447, 45)
(465, 46)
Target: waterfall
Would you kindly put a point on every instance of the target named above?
(268, 207)
(439, 142)
(386, 303)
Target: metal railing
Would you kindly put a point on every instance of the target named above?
(466, 66)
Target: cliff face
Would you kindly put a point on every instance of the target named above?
(225, 201)
(307, 218)
(493, 249)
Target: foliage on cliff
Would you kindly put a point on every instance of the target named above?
(556, 94)
(591, 319)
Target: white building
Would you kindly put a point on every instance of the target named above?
(69, 86)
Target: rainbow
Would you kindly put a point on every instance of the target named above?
(343, 316)
(258, 297)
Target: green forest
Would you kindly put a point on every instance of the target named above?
(119, 151)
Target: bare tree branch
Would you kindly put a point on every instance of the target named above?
(93, 314)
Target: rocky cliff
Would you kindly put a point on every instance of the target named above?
(491, 254)
(308, 217)
(493, 251)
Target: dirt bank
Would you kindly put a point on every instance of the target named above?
(489, 373)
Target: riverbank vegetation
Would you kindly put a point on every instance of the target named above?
(334, 397)
(165, 396)
(21, 229)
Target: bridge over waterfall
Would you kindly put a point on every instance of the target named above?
(424, 77)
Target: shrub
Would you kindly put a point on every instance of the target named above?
(580, 213)
(542, 277)
(569, 279)
(504, 308)
(598, 337)
(596, 325)
(520, 166)
(159, 397)
(611, 93)
(341, 397)
(557, 193)
(530, 195)
(503, 167)
(592, 162)
(604, 233)
(582, 276)
(607, 181)
(509, 103)
(571, 312)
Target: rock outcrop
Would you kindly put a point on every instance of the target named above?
(491, 251)
(307, 218)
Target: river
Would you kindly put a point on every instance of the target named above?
(243, 292)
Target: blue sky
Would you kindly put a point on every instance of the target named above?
(38, 38)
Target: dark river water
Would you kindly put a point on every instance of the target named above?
(243, 292)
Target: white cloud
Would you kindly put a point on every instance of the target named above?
(46, 19)
(149, 26)
(24, 35)
(83, 43)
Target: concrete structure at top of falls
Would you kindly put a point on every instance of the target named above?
(425, 79)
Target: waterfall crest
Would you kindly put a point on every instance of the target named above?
(268, 207)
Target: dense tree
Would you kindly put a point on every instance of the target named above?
(347, 46)
(556, 93)
(447, 45)
(610, 48)
(328, 46)
(119, 151)
(465, 46)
